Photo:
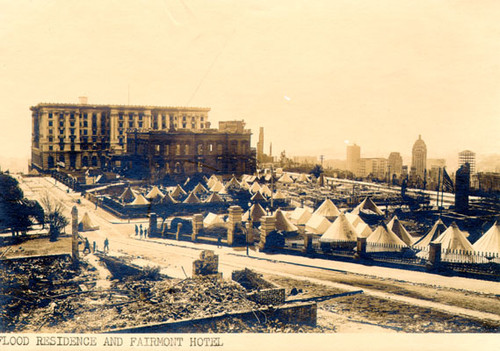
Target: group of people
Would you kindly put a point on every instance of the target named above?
(139, 231)
(86, 248)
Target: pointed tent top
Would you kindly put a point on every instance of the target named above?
(200, 189)
(383, 235)
(128, 195)
(233, 183)
(217, 186)
(327, 209)
(86, 224)
(191, 199)
(178, 192)
(140, 200)
(285, 178)
(454, 239)
(398, 229)
(279, 196)
(490, 241)
(155, 192)
(212, 219)
(168, 199)
(265, 190)
(437, 229)
(255, 187)
(300, 215)
(214, 197)
(256, 212)
(368, 204)
(303, 178)
(340, 230)
(258, 197)
(283, 223)
(318, 224)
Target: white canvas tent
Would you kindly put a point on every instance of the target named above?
(490, 241)
(264, 189)
(368, 206)
(285, 179)
(217, 187)
(86, 224)
(303, 178)
(384, 240)
(341, 230)
(362, 228)
(327, 209)
(168, 199)
(155, 194)
(437, 229)
(212, 219)
(317, 224)
(199, 189)
(258, 197)
(191, 199)
(213, 198)
(301, 215)
(283, 223)
(139, 201)
(256, 212)
(398, 229)
(127, 195)
(254, 187)
(279, 196)
(178, 192)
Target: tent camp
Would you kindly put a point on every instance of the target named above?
(212, 219)
(86, 224)
(139, 201)
(384, 240)
(327, 209)
(213, 198)
(317, 224)
(285, 179)
(127, 196)
(191, 199)
(398, 229)
(437, 229)
(282, 223)
(155, 195)
(301, 215)
(490, 241)
(341, 230)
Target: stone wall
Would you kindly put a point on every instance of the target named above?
(273, 297)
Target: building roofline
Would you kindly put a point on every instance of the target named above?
(111, 106)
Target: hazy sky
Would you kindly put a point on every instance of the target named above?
(312, 73)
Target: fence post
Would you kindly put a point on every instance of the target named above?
(235, 214)
(360, 248)
(434, 261)
(308, 247)
(268, 224)
(153, 224)
(197, 226)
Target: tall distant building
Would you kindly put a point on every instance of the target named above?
(419, 157)
(260, 145)
(395, 164)
(353, 157)
(469, 157)
(375, 167)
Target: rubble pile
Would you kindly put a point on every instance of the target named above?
(251, 280)
(39, 283)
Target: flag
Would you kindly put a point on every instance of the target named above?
(447, 182)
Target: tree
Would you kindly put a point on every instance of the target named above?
(316, 171)
(54, 217)
(16, 212)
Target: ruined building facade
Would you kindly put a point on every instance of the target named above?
(74, 136)
(224, 151)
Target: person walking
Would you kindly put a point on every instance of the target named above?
(136, 230)
(106, 245)
(87, 246)
(145, 233)
(140, 232)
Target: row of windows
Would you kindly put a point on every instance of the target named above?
(165, 149)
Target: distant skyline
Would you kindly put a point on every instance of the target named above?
(313, 74)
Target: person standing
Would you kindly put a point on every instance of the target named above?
(136, 230)
(140, 232)
(106, 245)
(87, 246)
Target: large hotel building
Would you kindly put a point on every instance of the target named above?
(81, 135)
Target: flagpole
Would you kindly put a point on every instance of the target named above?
(442, 190)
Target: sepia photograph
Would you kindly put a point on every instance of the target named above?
(239, 175)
